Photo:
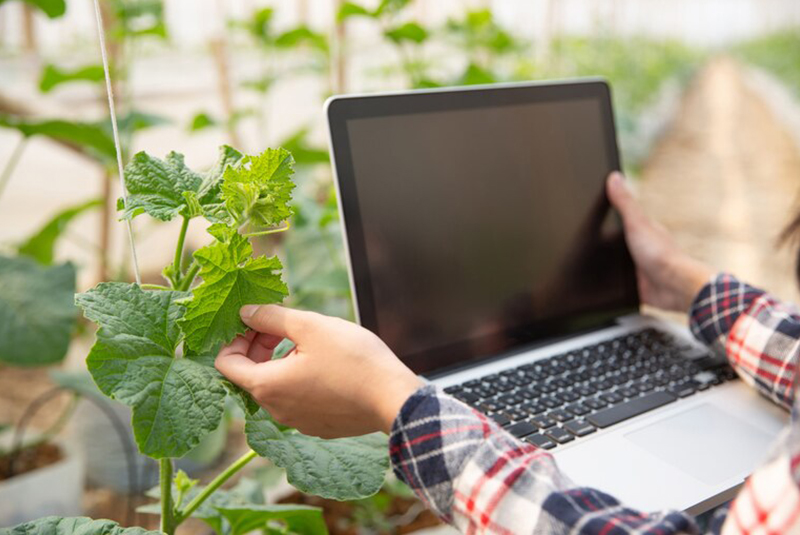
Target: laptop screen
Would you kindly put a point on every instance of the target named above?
(484, 228)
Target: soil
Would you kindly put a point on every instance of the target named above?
(339, 515)
(29, 459)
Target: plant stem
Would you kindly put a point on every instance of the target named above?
(179, 249)
(277, 230)
(168, 523)
(154, 287)
(11, 164)
(218, 481)
(187, 280)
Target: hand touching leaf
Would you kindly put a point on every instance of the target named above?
(231, 279)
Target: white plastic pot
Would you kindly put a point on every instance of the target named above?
(55, 489)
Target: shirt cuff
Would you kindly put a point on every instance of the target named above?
(717, 307)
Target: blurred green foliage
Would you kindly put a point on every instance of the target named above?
(778, 53)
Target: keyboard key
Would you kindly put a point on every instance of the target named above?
(522, 429)
(580, 428)
(595, 403)
(567, 396)
(543, 421)
(466, 397)
(578, 409)
(683, 390)
(629, 391)
(550, 403)
(560, 415)
(501, 419)
(510, 399)
(453, 389)
(540, 441)
(559, 435)
(533, 408)
(490, 405)
(629, 409)
(516, 413)
(611, 397)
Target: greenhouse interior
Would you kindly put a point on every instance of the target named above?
(542, 254)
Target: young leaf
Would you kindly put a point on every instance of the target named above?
(231, 279)
(36, 311)
(340, 469)
(167, 188)
(175, 401)
(52, 76)
(260, 188)
(54, 525)
(41, 246)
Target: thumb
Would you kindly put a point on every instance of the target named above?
(621, 196)
(276, 320)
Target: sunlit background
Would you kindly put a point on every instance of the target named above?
(707, 97)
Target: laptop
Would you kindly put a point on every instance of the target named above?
(483, 250)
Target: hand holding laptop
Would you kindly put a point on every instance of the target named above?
(668, 278)
(342, 380)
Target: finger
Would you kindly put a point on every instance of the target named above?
(262, 347)
(237, 368)
(622, 197)
(276, 320)
(240, 345)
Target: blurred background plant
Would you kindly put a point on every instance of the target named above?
(192, 74)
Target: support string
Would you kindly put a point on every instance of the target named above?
(117, 145)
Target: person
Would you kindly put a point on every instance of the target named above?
(341, 380)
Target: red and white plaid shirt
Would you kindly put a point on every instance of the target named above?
(481, 479)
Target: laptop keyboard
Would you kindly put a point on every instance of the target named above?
(562, 398)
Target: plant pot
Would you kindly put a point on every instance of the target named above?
(54, 489)
(107, 459)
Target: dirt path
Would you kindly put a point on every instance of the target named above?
(725, 179)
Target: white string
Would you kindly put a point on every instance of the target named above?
(117, 145)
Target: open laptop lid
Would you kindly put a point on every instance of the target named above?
(476, 219)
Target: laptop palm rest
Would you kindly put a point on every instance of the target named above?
(705, 443)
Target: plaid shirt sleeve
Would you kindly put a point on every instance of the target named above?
(480, 479)
(759, 335)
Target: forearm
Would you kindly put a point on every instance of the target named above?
(759, 335)
(479, 478)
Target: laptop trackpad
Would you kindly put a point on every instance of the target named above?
(706, 443)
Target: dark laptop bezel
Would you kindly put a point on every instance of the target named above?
(341, 109)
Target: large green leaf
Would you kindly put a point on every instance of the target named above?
(51, 8)
(260, 188)
(231, 279)
(175, 401)
(52, 76)
(54, 525)
(300, 519)
(90, 136)
(167, 188)
(41, 246)
(36, 311)
(340, 469)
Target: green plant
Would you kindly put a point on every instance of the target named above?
(156, 344)
(778, 53)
